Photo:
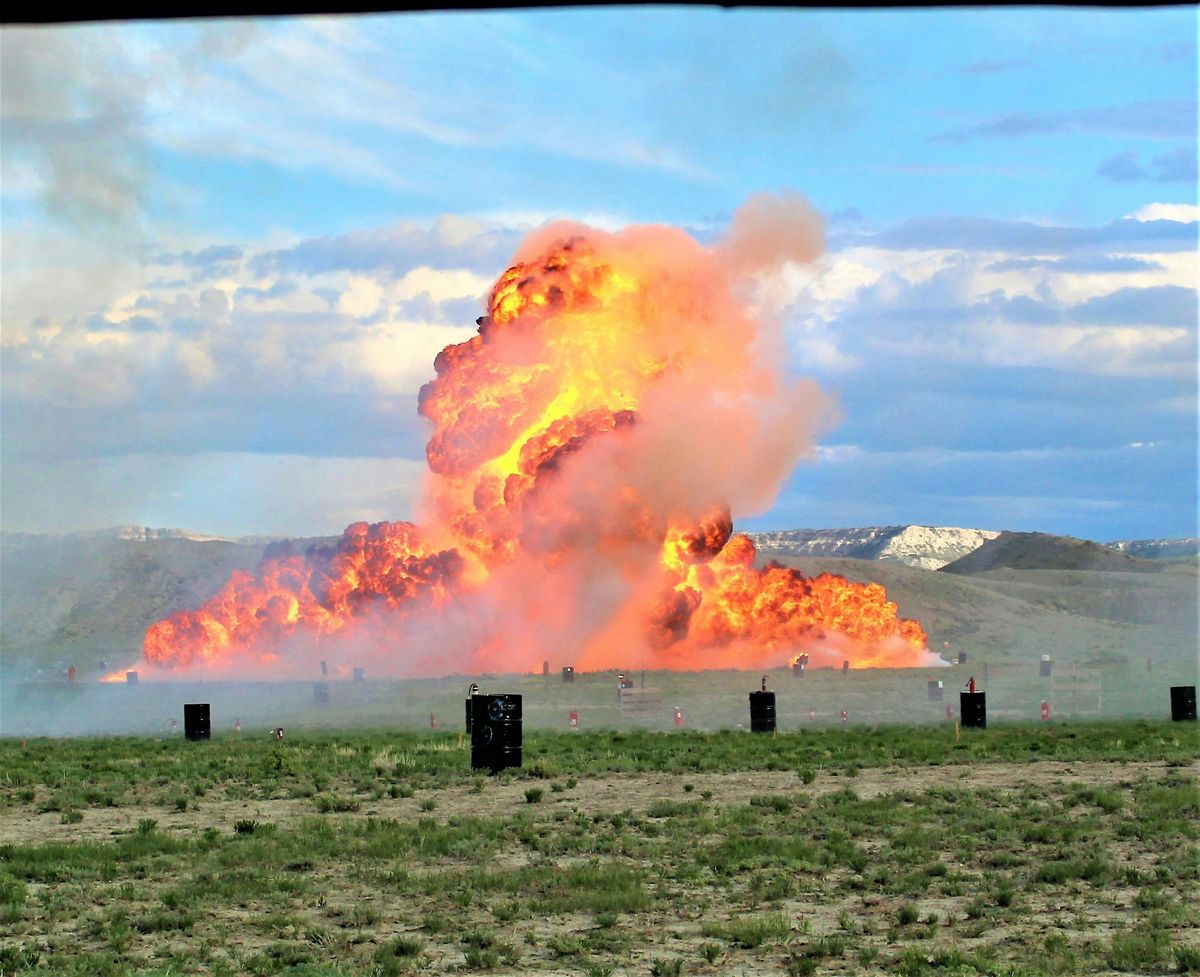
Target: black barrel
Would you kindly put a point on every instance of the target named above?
(568, 673)
(131, 678)
(1183, 702)
(495, 731)
(1044, 667)
(935, 690)
(962, 657)
(197, 725)
(321, 692)
(360, 674)
(972, 706)
(762, 712)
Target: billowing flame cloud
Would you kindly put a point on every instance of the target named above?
(590, 445)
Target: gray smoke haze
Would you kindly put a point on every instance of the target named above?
(75, 115)
(79, 126)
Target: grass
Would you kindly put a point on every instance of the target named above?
(297, 858)
(753, 931)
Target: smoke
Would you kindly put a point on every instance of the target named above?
(76, 117)
(769, 230)
(79, 126)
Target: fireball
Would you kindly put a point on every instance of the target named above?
(590, 447)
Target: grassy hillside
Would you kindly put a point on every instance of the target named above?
(1039, 551)
(84, 598)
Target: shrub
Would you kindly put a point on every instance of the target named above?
(1187, 959)
(335, 803)
(13, 892)
(481, 959)
(753, 931)
(1137, 950)
(400, 947)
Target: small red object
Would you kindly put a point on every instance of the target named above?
(812, 715)
(432, 721)
(573, 716)
(237, 725)
(678, 716)
(1045, 710)
(971, 684)
(844, 717)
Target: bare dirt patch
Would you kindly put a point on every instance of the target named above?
(594, 794)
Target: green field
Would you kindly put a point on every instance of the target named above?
(1027, 848)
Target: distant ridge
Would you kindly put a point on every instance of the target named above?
(926, 547)
(1159, 549)
(1040, 551)
(147, 534)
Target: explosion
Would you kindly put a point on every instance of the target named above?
(620, 401)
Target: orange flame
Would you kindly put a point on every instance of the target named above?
(112, 678)
(589, 447)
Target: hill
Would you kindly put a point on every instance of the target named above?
(1039, 551)
(92, 597)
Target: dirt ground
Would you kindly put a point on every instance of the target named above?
(24, 825)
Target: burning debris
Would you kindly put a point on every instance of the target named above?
(589, 447)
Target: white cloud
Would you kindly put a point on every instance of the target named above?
(838, 453)
(1152, 351)
(196, 362)
(361, 298)
(1180, 268)
(1183, 213)
(252, 333)
(954, 307)
(440, 284)
(396, 357)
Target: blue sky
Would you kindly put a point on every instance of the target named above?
(231, 248)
